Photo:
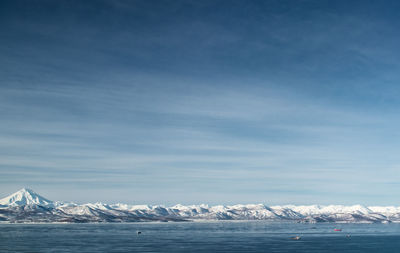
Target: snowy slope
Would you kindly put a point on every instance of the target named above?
(28, 206)
(25, 197)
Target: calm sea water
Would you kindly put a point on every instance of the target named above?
(249, 236)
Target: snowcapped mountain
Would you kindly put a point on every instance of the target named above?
(25, 197)
(28, 206)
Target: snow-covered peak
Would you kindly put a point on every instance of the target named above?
(25, 197)
(318, 209)
(127, 207)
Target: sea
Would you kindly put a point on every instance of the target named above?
(213, 236)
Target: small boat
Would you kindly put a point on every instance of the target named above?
(138, 232)
(337, 229)
(295, 238)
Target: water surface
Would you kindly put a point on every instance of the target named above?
(244, 236)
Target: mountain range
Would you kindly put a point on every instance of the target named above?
(27, 206)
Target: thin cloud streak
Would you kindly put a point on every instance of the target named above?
(164, 102)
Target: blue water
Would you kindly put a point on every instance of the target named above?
(249, 236)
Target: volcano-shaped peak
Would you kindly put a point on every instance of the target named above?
(25, 196)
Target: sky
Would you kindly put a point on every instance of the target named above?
(217, 102)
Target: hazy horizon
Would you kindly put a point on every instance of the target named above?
(215, 102)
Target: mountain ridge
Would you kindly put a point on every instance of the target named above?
(26, 205)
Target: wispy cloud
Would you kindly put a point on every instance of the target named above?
(183, 103)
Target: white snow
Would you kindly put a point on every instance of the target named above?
(338, 213)
(25, 197)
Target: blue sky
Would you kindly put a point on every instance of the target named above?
(219, 102)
